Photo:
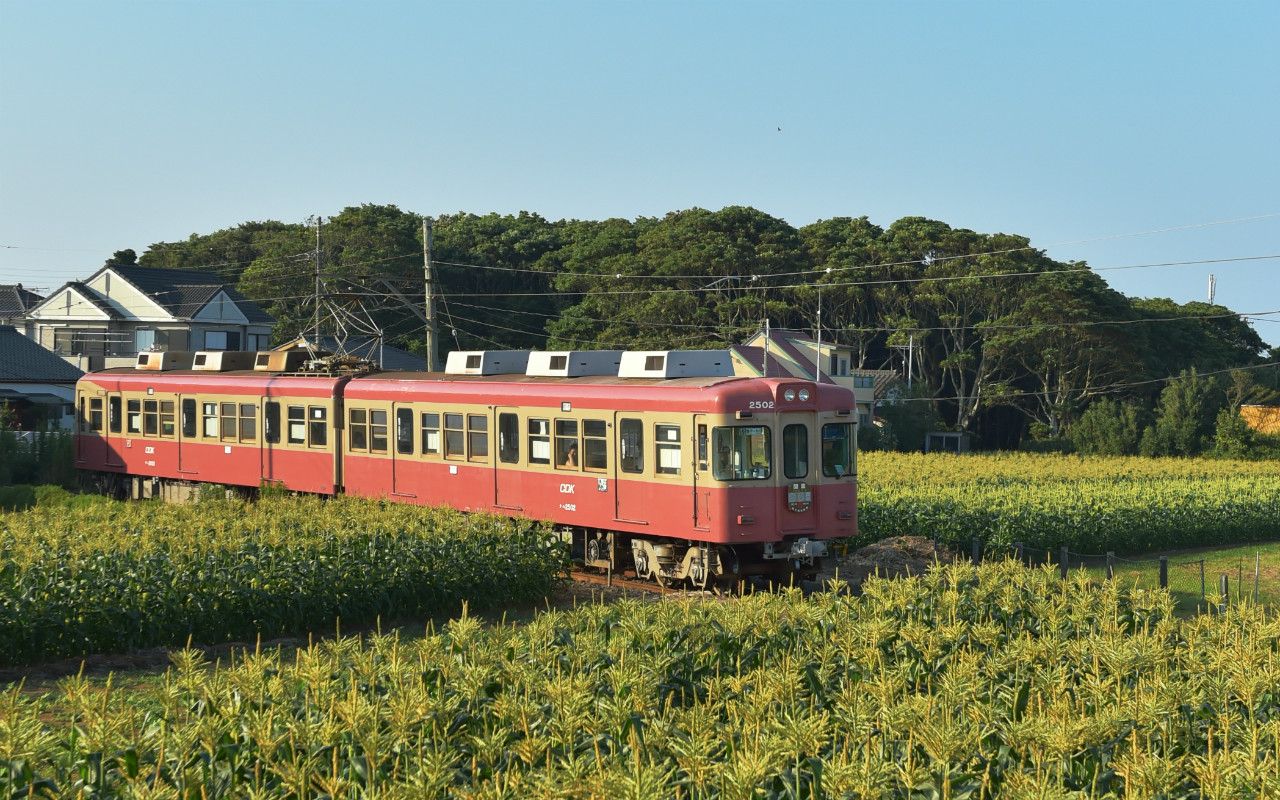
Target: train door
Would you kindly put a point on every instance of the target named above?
(628, 469)
(799, 470)
(113, 439)
(506, 467)
(402, 462)
(701, 484)
(186, 433)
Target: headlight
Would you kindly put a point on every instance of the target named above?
(789, 395)
(804, 395)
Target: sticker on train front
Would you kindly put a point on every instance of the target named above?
(602, 484)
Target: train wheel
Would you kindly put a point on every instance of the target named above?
(595, 551)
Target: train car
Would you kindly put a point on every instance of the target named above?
(145, 433)
(685, 479)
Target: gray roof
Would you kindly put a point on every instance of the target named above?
(183, 292)
(24, 361)
(16, 301)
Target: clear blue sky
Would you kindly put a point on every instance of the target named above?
(122, 124)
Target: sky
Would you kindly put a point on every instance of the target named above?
(1076, 124)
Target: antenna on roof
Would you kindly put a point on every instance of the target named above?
(1213, 287)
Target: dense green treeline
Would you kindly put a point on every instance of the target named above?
(1008, 340)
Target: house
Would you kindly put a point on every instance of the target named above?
(106, 319)
(392, 359)
(797, 355)
(35, 385)
(15, 302)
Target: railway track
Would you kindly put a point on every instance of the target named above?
(617, 581)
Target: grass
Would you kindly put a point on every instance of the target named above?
(1238, 563)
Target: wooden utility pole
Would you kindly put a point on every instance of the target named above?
(316, 319)
(433, 360)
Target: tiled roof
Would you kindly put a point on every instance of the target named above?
(24, 361)
(81, 288)
(183, 292)
(16, 301)
(754, 358)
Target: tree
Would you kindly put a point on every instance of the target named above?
(1232, 436)
(908, 418)
(1185, 416)
(1108, 428)
(122, 258)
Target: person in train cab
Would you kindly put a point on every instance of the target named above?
(570, 456)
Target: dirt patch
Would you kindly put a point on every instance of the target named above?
(895, 557)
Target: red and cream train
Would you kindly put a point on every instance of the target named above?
(677, 469)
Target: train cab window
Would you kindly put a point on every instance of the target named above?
(319, 427)
(271, 422)
(667, 448)
(539, 441)
(358, 429)
(567, 456)
(248, 422)
(95, 414)
(133, 420)
(595, 445)
(508, 438)
(188, 418)
(477, 437)
(430, 433)
(209, 420)
(150, 417)
(296, 430)
(455, 437)
(114, 414)
(837, 449)
(742, 453)
(227, 421)
(377, 431)
(167, 427)
(795, 451)
(631, 445)
(404, 431)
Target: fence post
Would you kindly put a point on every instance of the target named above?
(976, 550)
(1257, 568)
(1111, 565)
(1018, 553)
(1202, 587)
(1062, 562)
(1164, 572)
(1224, 589)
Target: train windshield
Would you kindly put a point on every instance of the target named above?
(837, 449)
(742, 453)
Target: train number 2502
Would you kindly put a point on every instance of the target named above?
(760, 404)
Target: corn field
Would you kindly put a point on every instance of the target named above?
(1094, 504)
(112, 576)
(971, 682)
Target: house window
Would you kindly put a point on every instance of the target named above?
(864, 381)
(144, 339)
(221, 340)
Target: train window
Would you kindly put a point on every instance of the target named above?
(150, 417)
(296, 432)
(114, 414)
(134, 417)
(595, 445)
(404, 431)
(837, 449)
(454, 437)
(508, 438)
(227, 425)
(188, 417)
(319, 427)
(567, 444)
(477, 437)
(702, 447)
(742, 453)
(795, 451)
(667, 446)
(377, 431)
(358, 433)
(539, 441)
(430, 433)
(271, 422)
(248, 422)
(209, 420)
(84, 420)
(95, 414)
(631, 445)
(167, 427)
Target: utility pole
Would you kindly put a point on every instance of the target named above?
(315, 323)
(911, 359)
(764, 373)
(433, 360)
(817, 355)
